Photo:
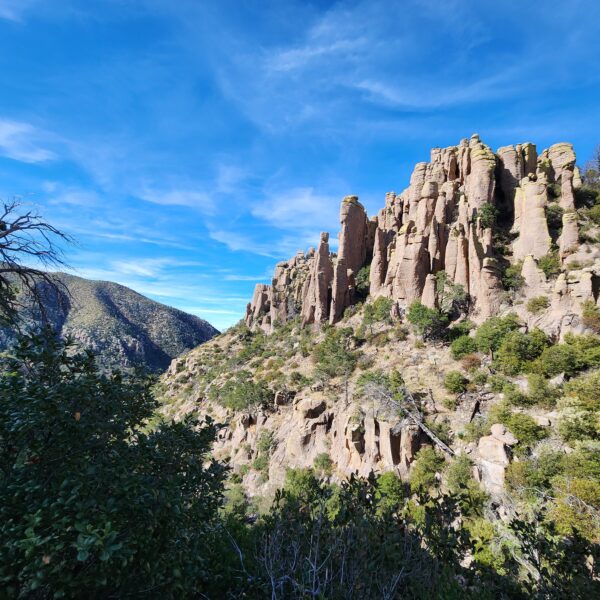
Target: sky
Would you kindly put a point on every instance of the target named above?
(190, 145)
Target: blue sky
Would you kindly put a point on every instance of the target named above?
(190, 145)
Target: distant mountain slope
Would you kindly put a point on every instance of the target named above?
(124, 328)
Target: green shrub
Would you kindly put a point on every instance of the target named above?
(95, 501)
(487, 214)
(490, 334)
(526, 430)
(550, 264)
(334, 355)
(241, 392)
(428, 322)
(323, 465)
(560, 358)
(455, 382)
(423, 473)
(459, 479)
(363, 281)
(378, 311)
(518, 349)
(514, 395)
(512, 278)
(261, 463)
(389, 492)
(580, 417)
(462, 346)
(538, 305)
(540, 392)
(265, 441)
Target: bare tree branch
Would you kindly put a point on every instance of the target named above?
(29, 250)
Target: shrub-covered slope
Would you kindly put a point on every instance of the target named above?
(123, 328)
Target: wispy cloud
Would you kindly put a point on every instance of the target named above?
(191, 198)
(13, 10)
(298, 208)
(21, 141)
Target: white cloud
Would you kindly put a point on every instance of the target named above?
(298, 208)
(180, 197)
(20, 141)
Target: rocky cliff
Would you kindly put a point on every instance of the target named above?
(511, 232)
(469, 212)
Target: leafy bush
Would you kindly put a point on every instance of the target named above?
(512, 278)
(580, 417)
(389, 492)
(455, 382)
(241, 392)
(560, 358)
(323, 464)
(265, 441)
(518, 349)
(540, 392)
(550, 264)
(488, 214)
(526, 430)
(334, 355)
(554, 215)
(378, 311)
(428, 322)
(490, 334)
(93, 501)
(462, 346)
(459, 479)
(423, 473)
(538, 305)
(363, 281)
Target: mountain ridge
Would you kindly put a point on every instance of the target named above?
(123, 327)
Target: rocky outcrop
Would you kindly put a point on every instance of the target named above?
(494, 457)
(448, 219)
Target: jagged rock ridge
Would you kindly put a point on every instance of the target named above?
(438, 223)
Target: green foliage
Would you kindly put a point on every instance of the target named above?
(423, 474)
(451, 297)
(92, 501)
(550, 264)
(540, 392)
(265, 441)
(560, 358)
(323, 465)
(378, 311)
(334, 355)
(455, 382)
(462, 346)
(392, 381)
(526, 430)
(490, 334)
(538, 305)
(241, 391)
(518, 349)
(389, 492)
(488, 214)
(363, 281)
(428, 322)
(512, 278)
(459, 479)
(580, 416)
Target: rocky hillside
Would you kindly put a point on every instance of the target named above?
(124, 328)
(464, 317)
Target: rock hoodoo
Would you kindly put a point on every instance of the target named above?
(469, 212)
